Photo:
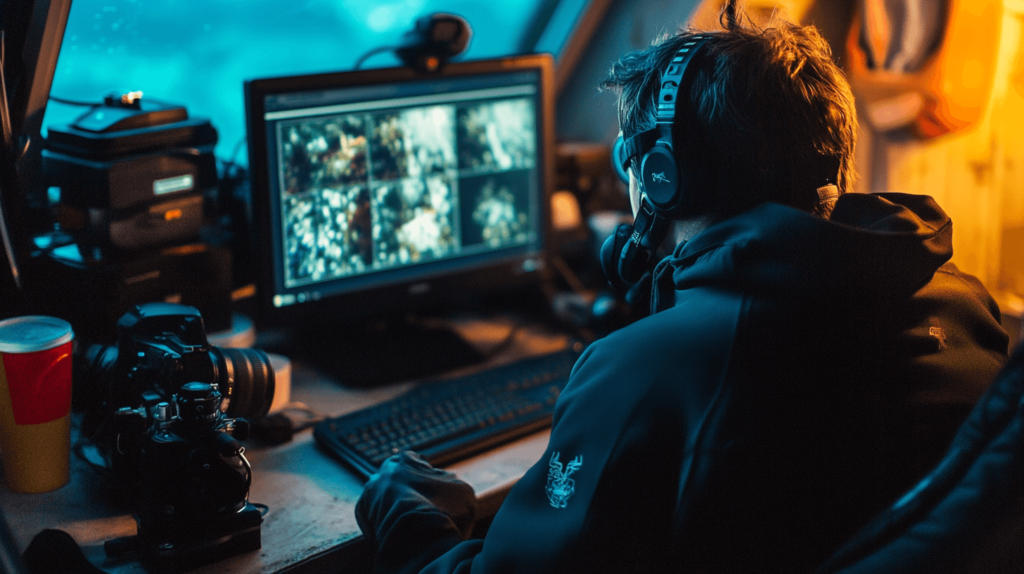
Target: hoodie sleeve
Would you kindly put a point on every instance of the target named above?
(602, 498)
(535, 530)
(407, 511)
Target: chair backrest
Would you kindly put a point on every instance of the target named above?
(967, 515)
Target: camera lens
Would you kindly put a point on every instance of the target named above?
(246, 379)
(198, 402)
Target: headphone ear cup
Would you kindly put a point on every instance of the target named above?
(619, 159)
(611, 251)
(661, 176)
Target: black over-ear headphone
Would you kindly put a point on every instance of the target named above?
(627, 253)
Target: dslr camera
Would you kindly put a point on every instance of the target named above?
(167, 410)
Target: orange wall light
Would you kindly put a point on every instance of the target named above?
(949, 90)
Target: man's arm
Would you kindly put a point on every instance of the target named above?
(416, 516)
(603, 494)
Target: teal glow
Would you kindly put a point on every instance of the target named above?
(563, 21)
(198, 54)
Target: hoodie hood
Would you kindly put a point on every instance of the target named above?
(874, 246)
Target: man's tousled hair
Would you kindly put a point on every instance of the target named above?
(767, 113)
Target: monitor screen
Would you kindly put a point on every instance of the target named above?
(387, 190)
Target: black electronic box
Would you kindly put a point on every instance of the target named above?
(92, 295)
(132, 173)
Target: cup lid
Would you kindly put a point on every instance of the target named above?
(32, 333)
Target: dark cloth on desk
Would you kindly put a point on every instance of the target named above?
(795, 377)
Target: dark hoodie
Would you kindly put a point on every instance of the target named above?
(795, 377)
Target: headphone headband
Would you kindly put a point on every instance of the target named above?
(660, 176)
(672, 78)
(665, 113)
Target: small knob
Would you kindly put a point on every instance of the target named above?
(162, 412)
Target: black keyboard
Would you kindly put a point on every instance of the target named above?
(451, 419)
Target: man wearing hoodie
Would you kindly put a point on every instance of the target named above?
(808, 357)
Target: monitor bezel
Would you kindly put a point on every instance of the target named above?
(428, 295)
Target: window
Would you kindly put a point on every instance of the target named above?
(198, 54)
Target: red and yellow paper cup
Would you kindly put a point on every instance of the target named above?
(35, 402)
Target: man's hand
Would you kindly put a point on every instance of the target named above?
(412, 513)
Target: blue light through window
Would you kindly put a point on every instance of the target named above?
(197, 54)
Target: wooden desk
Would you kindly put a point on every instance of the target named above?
(311, 524)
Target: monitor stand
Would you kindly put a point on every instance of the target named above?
(380, 353)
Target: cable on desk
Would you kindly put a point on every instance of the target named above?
(312, 417)
(79, 449)
(248, 471)
(82, 442)
(68, 102)
(279, 427)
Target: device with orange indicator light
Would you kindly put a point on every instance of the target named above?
(137, 179)
(132, 174)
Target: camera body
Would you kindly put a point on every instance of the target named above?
(183, 460)
(168, 410)
(160, 347)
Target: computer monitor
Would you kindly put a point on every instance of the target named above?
(387, 191)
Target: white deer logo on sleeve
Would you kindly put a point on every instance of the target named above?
(560, 487)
